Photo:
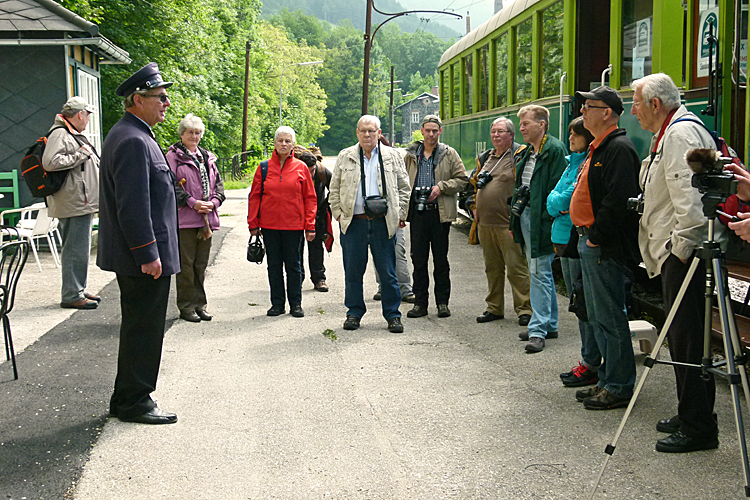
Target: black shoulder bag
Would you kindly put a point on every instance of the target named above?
(376, 206)
(255, 249)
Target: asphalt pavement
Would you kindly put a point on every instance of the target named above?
(298, 408)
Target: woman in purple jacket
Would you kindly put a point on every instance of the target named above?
(200, 192)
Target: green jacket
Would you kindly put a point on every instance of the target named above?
(550, 165)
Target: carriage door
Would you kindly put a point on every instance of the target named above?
(592, 45)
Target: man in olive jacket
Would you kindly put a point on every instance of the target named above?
(539, 165)
(436, 171)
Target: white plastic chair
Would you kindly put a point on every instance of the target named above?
(32, 228)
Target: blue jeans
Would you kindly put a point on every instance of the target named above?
(542, 291)
(76, 237)
(590, 355)
(604, 289)
(360, 234)
(283, 249)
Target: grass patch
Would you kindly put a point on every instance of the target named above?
(328, 333)
(240, 184)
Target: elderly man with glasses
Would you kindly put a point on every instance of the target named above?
(607, 236)
(368, 194)
(496, 168)
(138, 240)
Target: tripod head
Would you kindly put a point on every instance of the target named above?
(710, 178)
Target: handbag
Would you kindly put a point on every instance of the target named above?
(376, 207)
(255, 249)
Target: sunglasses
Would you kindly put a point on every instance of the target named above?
(162, 97)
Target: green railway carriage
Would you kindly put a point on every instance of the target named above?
(542, 51)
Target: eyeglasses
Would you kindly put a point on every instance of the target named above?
(638, 103)
(588, 106)
(367, 131)
(162, 97)
(498, 132)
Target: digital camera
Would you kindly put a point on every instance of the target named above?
(636, 204)
(483, 178)
(421, 197)
(523, 193)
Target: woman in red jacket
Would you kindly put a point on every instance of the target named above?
(283, 206)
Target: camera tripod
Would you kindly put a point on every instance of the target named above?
(710, 253)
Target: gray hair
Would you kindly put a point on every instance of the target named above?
(191, 121)
(538, 114)
(129, 102)
(285, 130)
(508, 124)
(368, 119)
(70, 113)
(658, 86)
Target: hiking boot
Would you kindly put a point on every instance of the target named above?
(409, 297)
(297, 311)
(605, 400)
(525, 335)
(443, 311)
(582, 375)
(536, 344)
(321, 286)
(395, 325)
(669, 425)
(351, 323)
(587, 393)
(377, 296)
(487, 316)
(523, 320)
(275, 311)
(417, 311)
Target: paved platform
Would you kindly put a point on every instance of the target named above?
(298, 408)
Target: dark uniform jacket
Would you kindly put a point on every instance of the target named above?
(613, 178)
(550, 165)
(137, 205)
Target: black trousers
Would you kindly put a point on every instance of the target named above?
(427, 232)
(143, 301)
(283, 253)
(315, 252)
(695, 396)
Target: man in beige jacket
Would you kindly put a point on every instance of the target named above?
(437, 175)
(77, 200)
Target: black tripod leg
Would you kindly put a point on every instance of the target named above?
(731, 341)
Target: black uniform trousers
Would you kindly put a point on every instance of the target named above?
(695, 396)
(427, 232)
(143, 301)
(315, 256)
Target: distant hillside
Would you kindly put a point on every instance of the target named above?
(336, 11)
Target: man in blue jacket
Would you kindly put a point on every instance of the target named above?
(138, 240)
(539, 165)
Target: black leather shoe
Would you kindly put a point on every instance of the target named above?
(525, 335)
(296, 311)
(191, 316)
(377, 296)
(351, 323)
(487, 316)
(154, 417)
(523, 320)
(203, 314)
(395, 325)
(682, 443)
(669, 425)
(409, 297)
(417, 311)
(275, 311)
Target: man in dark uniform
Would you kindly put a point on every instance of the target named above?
(138, 240)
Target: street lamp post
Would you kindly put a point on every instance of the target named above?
(281, 80)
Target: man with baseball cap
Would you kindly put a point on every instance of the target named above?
(138, 236)
(68, 150)
(436, 175)
(607, 239)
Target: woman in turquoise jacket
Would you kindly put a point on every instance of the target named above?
(558, 205)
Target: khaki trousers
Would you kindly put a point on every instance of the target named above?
(501, 252)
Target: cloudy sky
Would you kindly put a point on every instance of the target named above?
(479, 10)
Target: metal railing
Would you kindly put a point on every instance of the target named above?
(238, 166)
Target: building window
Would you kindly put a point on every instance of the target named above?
(415, 116)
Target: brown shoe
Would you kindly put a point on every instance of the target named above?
(321, 286)
(80, 304)
(93, 297)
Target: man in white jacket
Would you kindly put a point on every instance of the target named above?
(672, 227)
(77, 200)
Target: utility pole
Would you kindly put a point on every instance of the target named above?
(370, 36)
(244, 107)
(390, 114)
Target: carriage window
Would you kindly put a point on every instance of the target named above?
(444, 94)
(523, 61)
(501, 77)
(484, 78)
(552, 49)
(456, 102)
(469, 84)
(637, 37)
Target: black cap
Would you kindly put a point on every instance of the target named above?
(607, 95)
(148, 77)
